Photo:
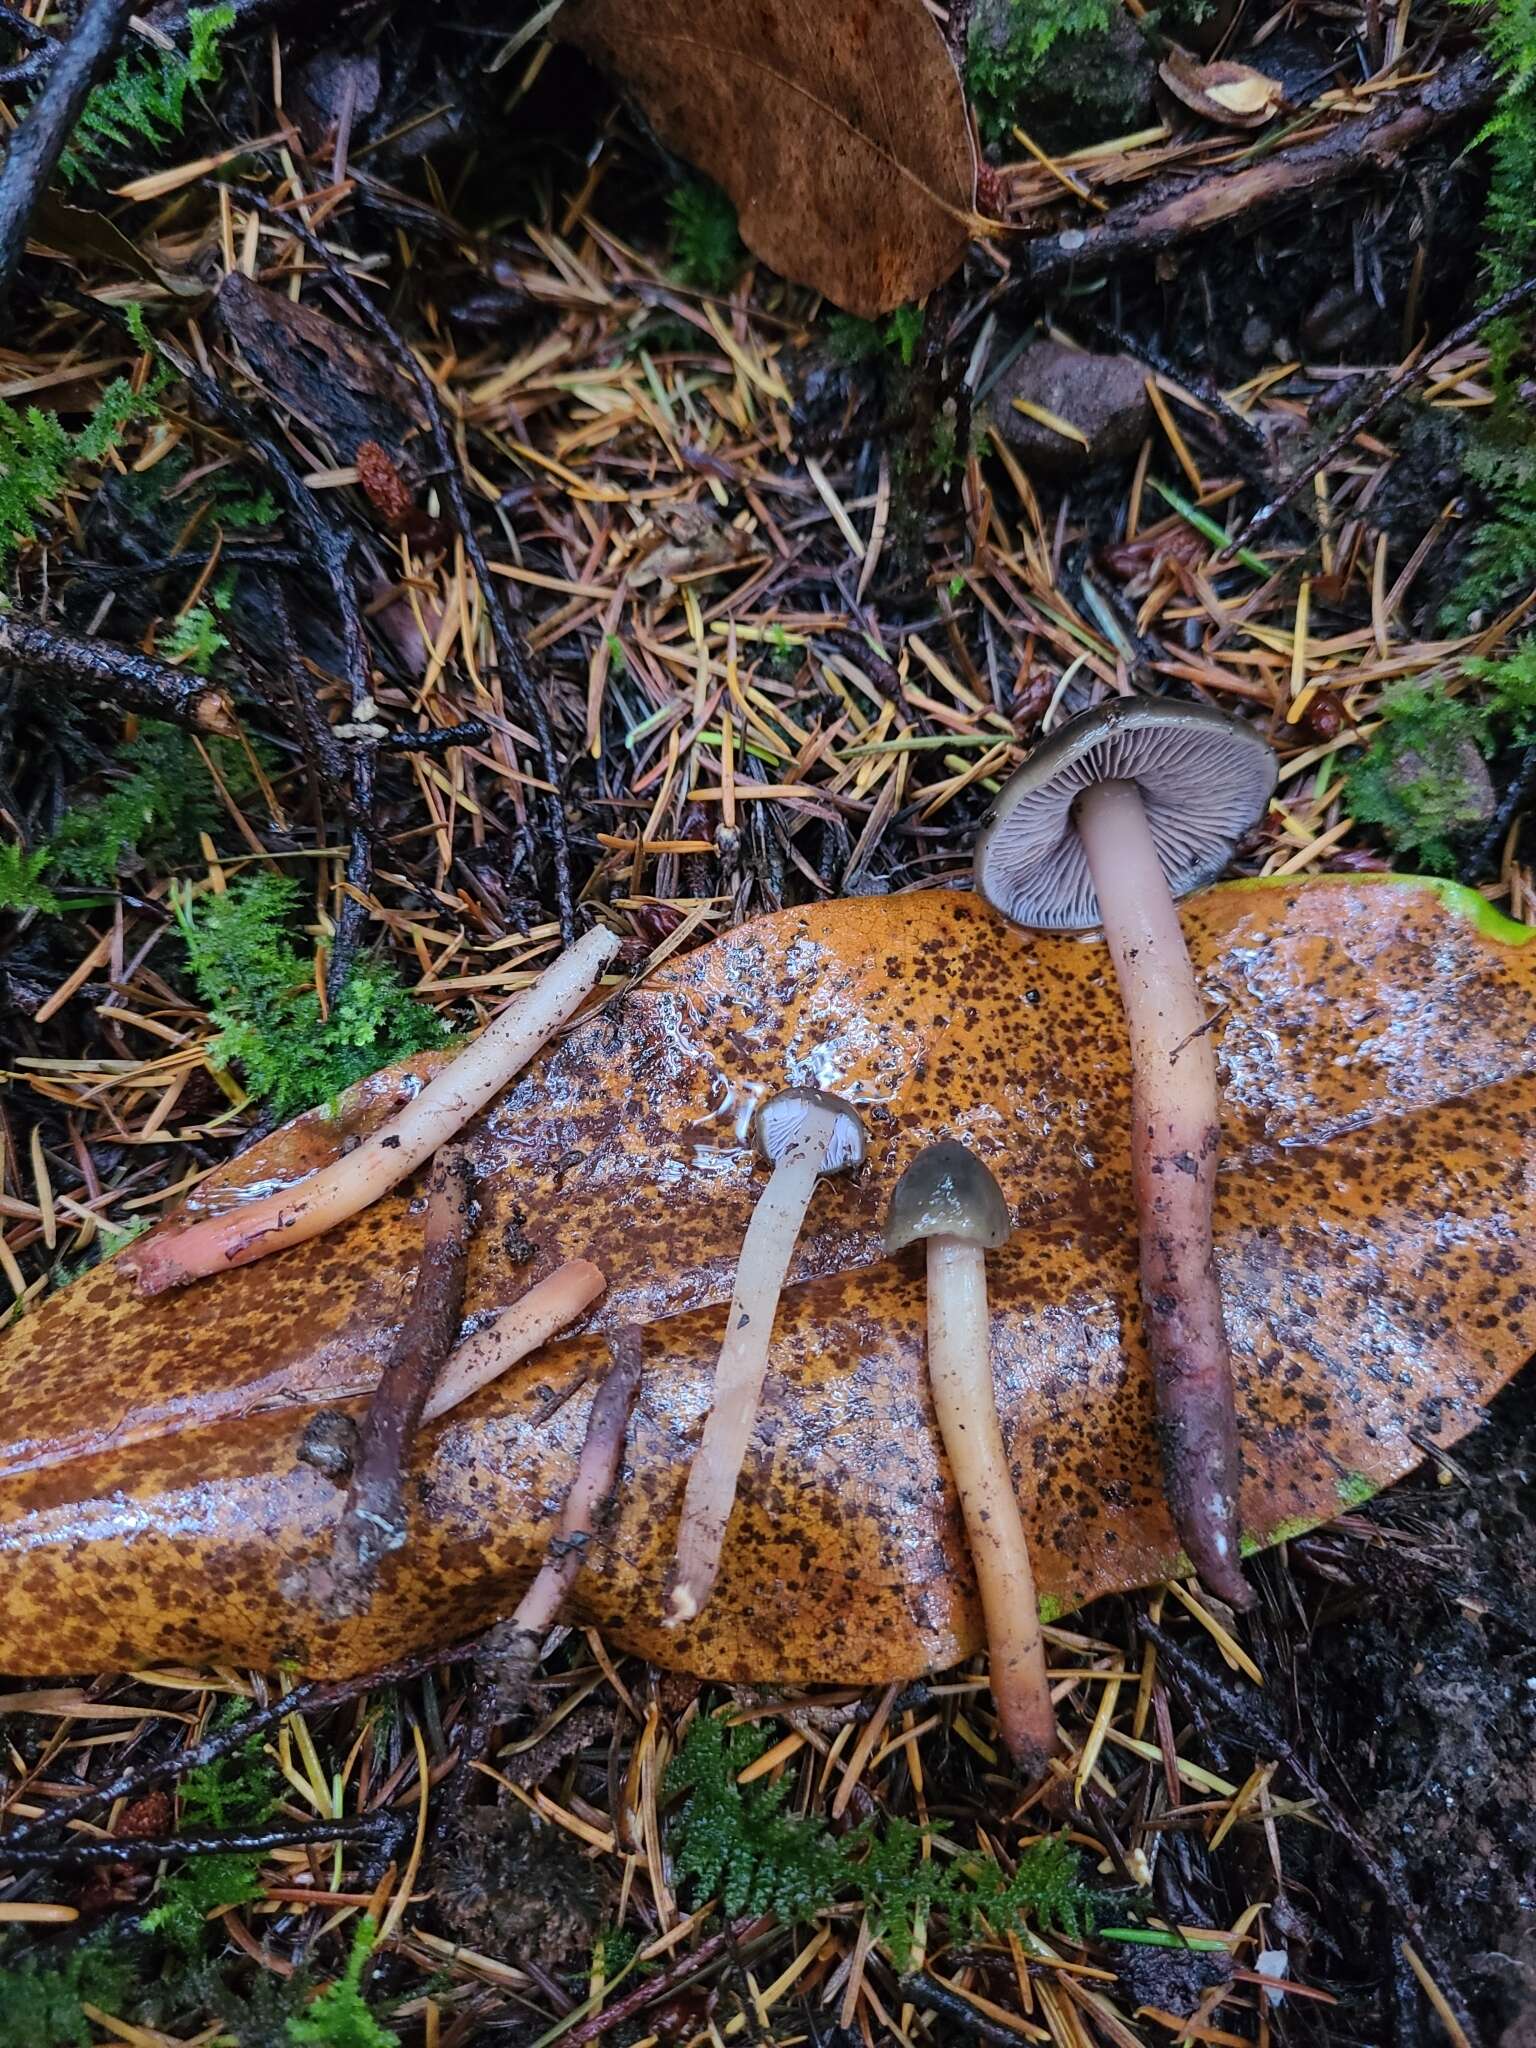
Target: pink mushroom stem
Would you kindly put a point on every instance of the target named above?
(556, 1300)
(460, 1091)
(766, 1250)
(1175, 1138)
(960, 1372)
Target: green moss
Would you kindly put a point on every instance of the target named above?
(260, 991)
(237, 1790)
(21, 879)
(144, 102)
(42, 1998)
(340, 2017)
(38, 453)
(855, 340)
(1421, 779)
(706, 248)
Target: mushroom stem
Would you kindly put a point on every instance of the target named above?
(1175, 1136)
(960, 1372)
(456, 1093)
(766, 1251)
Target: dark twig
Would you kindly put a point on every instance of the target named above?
(120, 674)
(1517, 800)
(437, 739)
(1249, 1715)
(716, 1949)
(373, 1522)
(32, 153)
(385, 1830)
(511, 1648)
(512, 655)
(315, 1697)
(931, 1996)
(1167, 211)
(1508, 302)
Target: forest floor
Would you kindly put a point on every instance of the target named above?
(777, 600)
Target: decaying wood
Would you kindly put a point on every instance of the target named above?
(1169, 211)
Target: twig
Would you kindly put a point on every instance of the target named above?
(384, 1830)
(315, 1697)
(512, 655)
(512, 1646)
(715, 1949)
(1172, 210)
(120, 674)
(1262, 1734)
(932, 1996)
(32, 153)
(1507, 302)
(373, 1522)
(437, 739)
(1516, 801)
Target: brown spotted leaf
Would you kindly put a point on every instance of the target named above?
(1376, 1231)
(838, 127)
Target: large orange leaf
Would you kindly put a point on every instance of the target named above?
(837, 126)
(1376, 1229)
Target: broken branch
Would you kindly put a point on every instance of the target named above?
(127, 678)
(1175, 209)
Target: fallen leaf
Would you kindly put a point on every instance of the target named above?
(75, 232)
(1233, 95)
(839, 129)
(1375, 1226)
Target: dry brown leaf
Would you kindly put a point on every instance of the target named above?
(838, 127)
(1375, 1228)
(1232, 95)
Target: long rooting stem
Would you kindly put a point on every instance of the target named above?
(1175, 1137)
(960, 1371)
(460, 1091)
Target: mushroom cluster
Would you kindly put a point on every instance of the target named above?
(1109, 821)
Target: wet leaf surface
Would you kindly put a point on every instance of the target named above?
(839, 130)
(1376, 1229)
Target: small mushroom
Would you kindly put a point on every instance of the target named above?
(948, 1197)
(802, 1134)
(1125, 808)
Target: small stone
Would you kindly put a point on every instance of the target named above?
(1103, 397)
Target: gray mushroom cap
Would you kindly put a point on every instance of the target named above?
(782, 1118)
(948, 1192)
(1204, 779)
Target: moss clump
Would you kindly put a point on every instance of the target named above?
(855, 340)
(1068, 71)
(706, 248)
(260, 991)
(43, 1998)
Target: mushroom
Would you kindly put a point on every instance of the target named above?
(950, 1199)
(802, 1134)
(1111, 818)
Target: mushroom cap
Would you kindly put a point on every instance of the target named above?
(781, 1119)
(1204, 779)
(948, 1192)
